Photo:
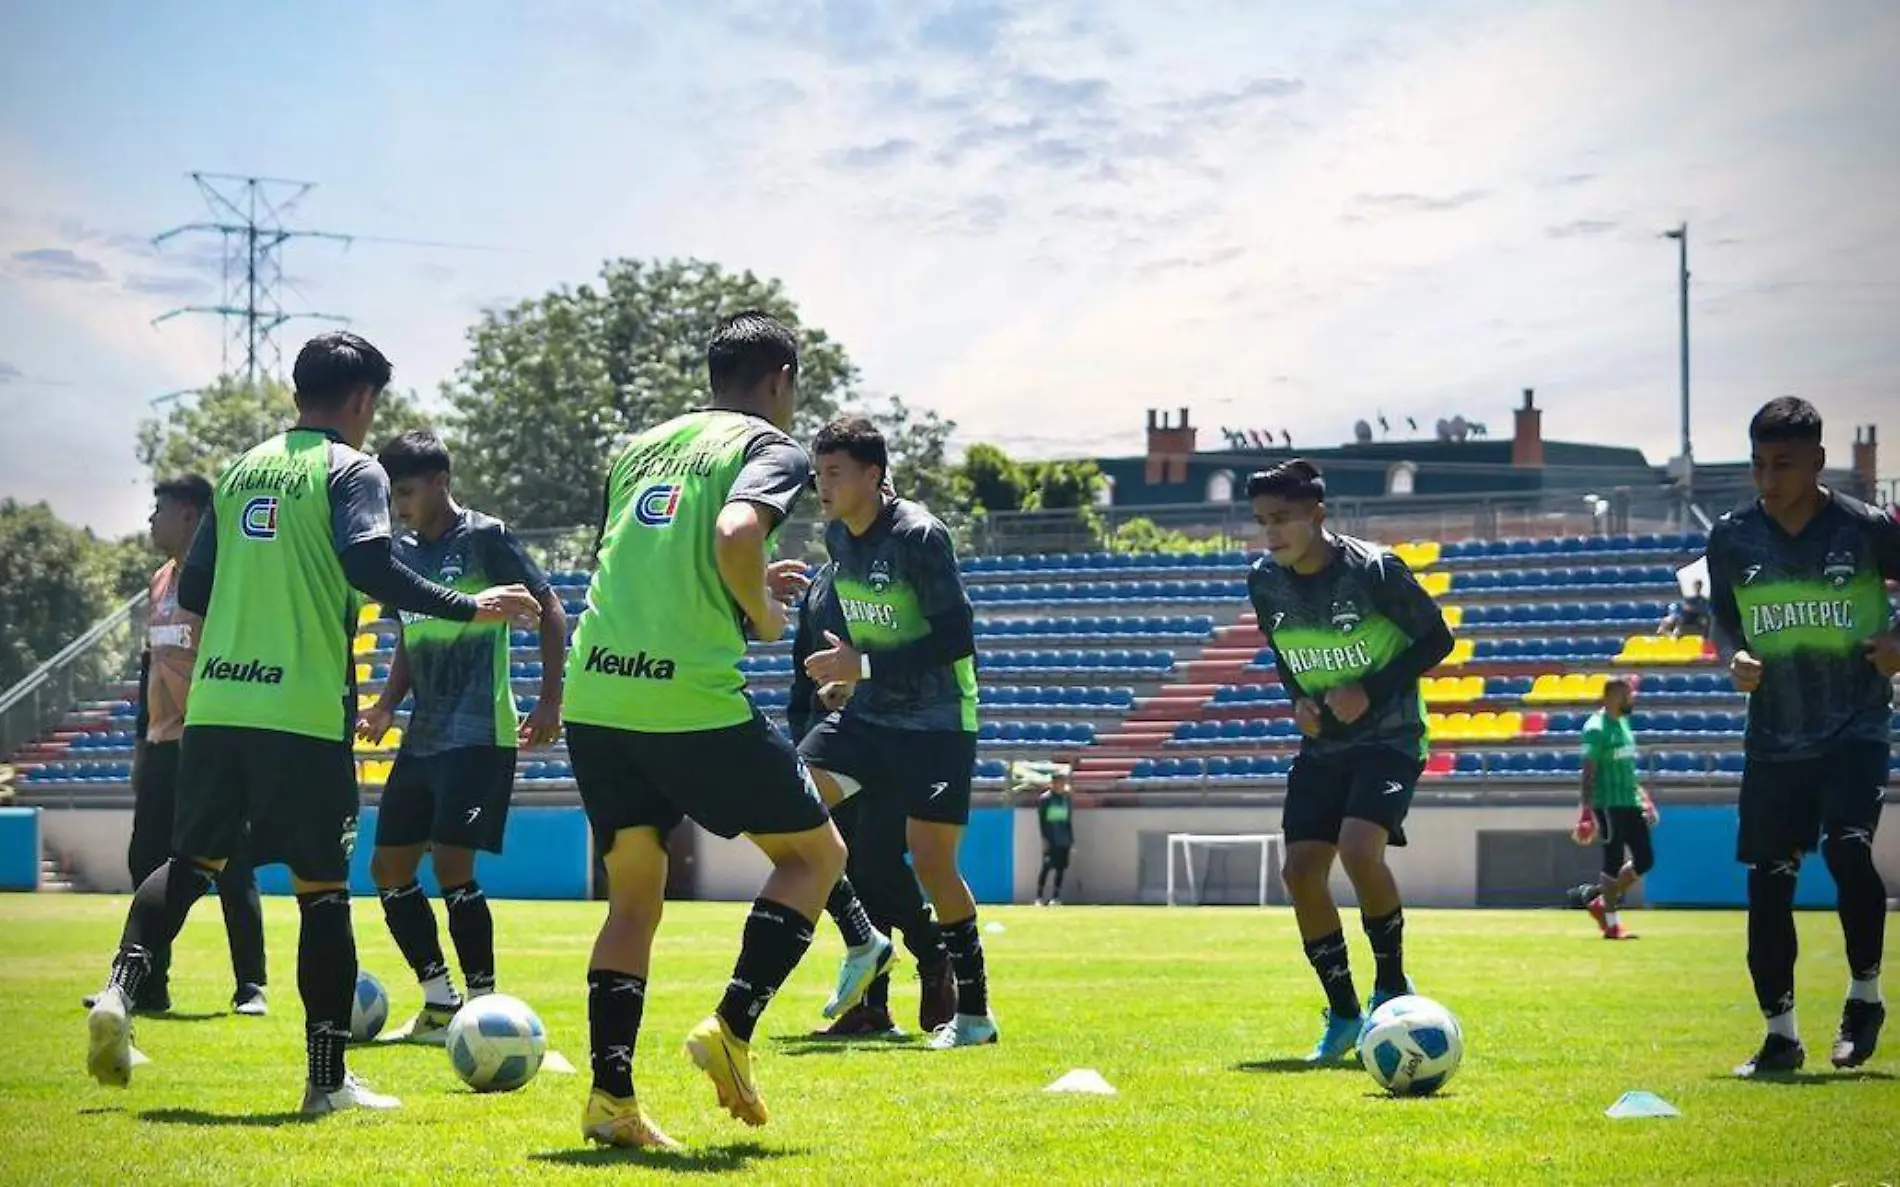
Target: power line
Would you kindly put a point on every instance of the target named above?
(248, 214)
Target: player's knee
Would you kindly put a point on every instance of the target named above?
(1305, 873)
(1361, 856)
(454, 866)
(1849, 853)
(389, 869)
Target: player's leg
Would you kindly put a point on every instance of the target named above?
(1857, 784)
(1778, 821)
(154, 806)
(896, 900)
(305, 815)
(471, 817)
(243, 912)
(1042, 875)
(1315, 809)
(1635, 857)
(870, 1017)
(1610, 826)
(629, 819)
(1379, 798)
(932, 773)
(208, 824)
(1059, 865)
(403, 823)
(840, 756)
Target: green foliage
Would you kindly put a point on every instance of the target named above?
(553, 386)
(55, 584)
(1143, 535)
(991, 480)
(994, 484)
(202, 434)
(919, 441)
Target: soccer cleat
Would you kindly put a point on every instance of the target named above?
(249, 1001)
(614, 1121)
(1381, 996)
(1619, 932)
(728, 1063)
(862, 1021)
(430, 1026)
(1777, 1055)
(861, 967)
(1338, 1041)
(1582, 894)
(965, 1030)
(1595, 907)
(150, 1002)
(109, 1040)
(936, 997)
(1860, 1030)
(354, 1094)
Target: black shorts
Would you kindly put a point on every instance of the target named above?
(927, 771)
(1787, 808)
(294, 795)
(1374, 785)
(745, 778)
(458, 797)
(1625, 836)
(1055, 857)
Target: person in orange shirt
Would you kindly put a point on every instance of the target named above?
(165, 671)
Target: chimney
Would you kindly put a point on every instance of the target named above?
(1866, 463)
(1170, 445)
(1527, 443)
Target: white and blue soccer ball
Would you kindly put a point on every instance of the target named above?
(1412, 1045)
(369, 1008)
(496, 1043)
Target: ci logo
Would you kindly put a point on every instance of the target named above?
(260, 518)
(657, 506)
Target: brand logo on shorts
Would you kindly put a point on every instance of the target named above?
(659, 505)
(937, 789)
(239, 671)
(473, 813)
(638, 666)
(259, 518)
(1393, 787)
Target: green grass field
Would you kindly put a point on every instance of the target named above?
(1196, 1016)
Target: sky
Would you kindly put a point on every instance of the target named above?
(1039, 219)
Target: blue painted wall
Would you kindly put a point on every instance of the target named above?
(546, 854)
(988, 855)
(19, 848)
(1696, 866)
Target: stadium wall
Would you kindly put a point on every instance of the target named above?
(19, 848)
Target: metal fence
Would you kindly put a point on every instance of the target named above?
(88, 668)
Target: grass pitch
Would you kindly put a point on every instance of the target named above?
(1197, 1016)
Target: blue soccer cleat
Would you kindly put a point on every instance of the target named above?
(1340, 1040)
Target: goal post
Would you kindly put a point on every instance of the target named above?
(1271, 846)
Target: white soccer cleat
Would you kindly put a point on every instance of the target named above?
(861, 967)
(353, 1095)
(249, 1002)
(966, 1030)
(109, 1039)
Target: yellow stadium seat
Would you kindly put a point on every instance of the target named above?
(1461, 650)
(1510, 725)
(370, 613)
(1544, 688)
(363, 673)
(1454, 616)
(1689, 648)
(1437, 584)
(1458, 727)
(363, 644)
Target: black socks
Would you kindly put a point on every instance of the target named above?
(774, 941)
(615, 1002)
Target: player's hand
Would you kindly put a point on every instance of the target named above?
(833, 696)
(507, 603)
(786, 579)
(839, 663)
(1306, 716)
(1883, 651)
(542, 726)
(776, 621)
(1745, 670)
(1585, 830)
(1348, 702)
(1650, 814)
(373, 723)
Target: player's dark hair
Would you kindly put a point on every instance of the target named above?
(1296, 479)
(747, 348)
(1786, 418)
(857, 438)
(332, 366)
(417, 453)
(190, 489)
(1622, 682)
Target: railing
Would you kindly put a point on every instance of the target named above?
(82, 670)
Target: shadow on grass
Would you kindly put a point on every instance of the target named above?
(1293, 1064)
(180, 1016)
(733, 1156)
(1808, 1079)
(795, 1046)
(200, 1118)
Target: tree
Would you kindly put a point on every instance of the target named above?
(227, 418)
(553, 386)
(991, 480)
(49, 593)
(919, 443)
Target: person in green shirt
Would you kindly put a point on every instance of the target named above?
(298, 527)
(1615, 809)
(659, 725)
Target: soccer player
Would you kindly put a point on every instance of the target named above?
(659, 726)
(455, 770)
(874, 835)
(1797, 584)
(1615, 808)
(164, 688)
(908, 733)
(1055, 808)
(1690, 616)
(294, 524)
(1352, 632)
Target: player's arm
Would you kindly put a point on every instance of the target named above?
(1883, 650)
(374, 722)
(1725, 615)
(799, 704)
(509, 562)
(201, 565)
(142, 714)
(762, 496)
(1397, 594)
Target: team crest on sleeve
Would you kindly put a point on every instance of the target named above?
(1346, 617)
(659, 505)
(259, 518)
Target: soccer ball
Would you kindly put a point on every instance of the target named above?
(369, 1008)
(1412, 1045)
(496, 1042)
